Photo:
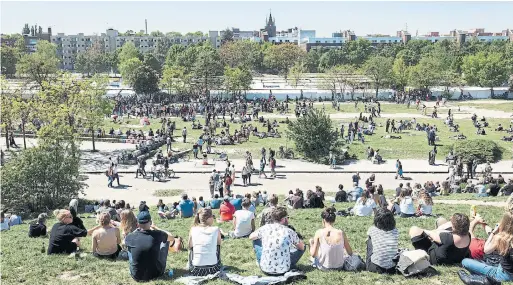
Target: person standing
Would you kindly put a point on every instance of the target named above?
(211, 183)
(399, 169)
(168, 143)
(272, 164)
(184, 134)
(263, 151)
(115, 173)
(262, 167)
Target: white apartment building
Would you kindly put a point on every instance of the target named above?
(68, 46)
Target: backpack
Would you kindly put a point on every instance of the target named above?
(415, 262)
(354, 263)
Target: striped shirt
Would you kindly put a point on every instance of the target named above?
(384, 246)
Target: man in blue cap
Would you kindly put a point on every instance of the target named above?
(147, 249)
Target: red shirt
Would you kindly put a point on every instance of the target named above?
(226, 211)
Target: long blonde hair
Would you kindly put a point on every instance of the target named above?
(128, 221)
(202, 217)
(426, 197)
(504, 238)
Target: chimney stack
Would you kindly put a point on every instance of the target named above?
(146, 25)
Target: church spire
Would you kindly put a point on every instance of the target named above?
(270, 17)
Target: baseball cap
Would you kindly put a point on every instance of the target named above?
(143, 217)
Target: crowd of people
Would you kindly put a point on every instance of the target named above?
(123, 233)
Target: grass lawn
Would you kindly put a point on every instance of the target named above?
(23, 263)
(412, 145)
(497, 106)
(471, 196)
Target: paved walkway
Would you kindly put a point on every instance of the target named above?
(196, 184)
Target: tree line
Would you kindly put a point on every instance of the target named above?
(198, 69)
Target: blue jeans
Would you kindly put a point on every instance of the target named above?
(480, 268)
(481, 195)
(111, 179)
(294, 256)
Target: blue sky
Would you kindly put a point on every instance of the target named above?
(72, 17)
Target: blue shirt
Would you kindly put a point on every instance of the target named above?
(237, 203)
(186, 207)
(215, 204)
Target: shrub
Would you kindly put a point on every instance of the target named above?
(314, 136)
(482, 150)
(40, 178)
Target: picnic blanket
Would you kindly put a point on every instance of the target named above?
(289, 277)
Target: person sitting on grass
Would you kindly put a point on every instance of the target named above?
(38, 229)
(278, 248)
(216, 202)
(64, 235)
(147, 249)
(243, 221)
(226, 210)
(500, 240)
(204, 245)
(444, 247)
(341, 195)
(364, 206)
(425, 207)
(406, 204)
(313, 200)
(186, 207)
(106, 239)
(266, 213)
(236, 201)
(382, 243)
(330, 246)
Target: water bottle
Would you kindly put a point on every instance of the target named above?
(170, 273)
(43, 248)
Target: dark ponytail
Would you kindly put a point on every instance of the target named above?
(329, 214)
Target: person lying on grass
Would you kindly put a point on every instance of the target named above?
(330, 246)
(446, 245)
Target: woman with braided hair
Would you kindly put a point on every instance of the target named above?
(330, 246)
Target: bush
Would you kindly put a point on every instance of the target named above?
(314, 136)
(40, 178)
(482, 150)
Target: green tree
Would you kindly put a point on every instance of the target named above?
(157, 33)
(280, 58)
(312, 60)
(237, 80)
(357, 51)
(40, 178)
(480, 150)
(41, 65)
(128, 51)
(227, 36)
(128, 68)
(174, 78)
(173, 53)
(161, 49)
(296, 72)
(313, 135)
(145, 81)
(243, 54)
(332, 58)
(11, 54)
(95, 105)
(188, 58)
(425, 74)
(401, 73)
(379, 71)
(8, 113)
(207, 69)
(486, 70)
(173, 34)
(92, 61)
(151, 61)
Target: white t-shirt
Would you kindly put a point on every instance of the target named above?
(363, 210)
(277, 243)
(243, 225)
(407, 206)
